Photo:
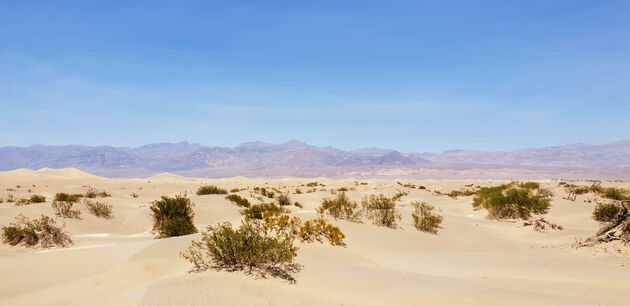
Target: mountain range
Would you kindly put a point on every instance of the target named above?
(296, 158)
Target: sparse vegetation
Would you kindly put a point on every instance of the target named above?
(99, 209)
(134, 195)
(508, 202)
(340, 208)
(33, 199)
(399, 194)
(284, 199)
(257, 211)
(298, 191)
(297, 204)
(92, 193)
(313, 230)
(381, 210)
(210, 189)
(529, 185)
(64, 209)
(33, 232)
(615, 194)
(238, 200)
(173, 216)
(425, 218)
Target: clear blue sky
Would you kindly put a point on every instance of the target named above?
(407, 75)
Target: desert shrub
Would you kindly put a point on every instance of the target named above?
(32, 232)
(134, 195)
(238, 200)
(298, 204)
(256, 211)
(298, 191)
(342, 189)
(340, 208)
(99, 209)
(173, 216)
(381, 210)
(64, 210)
(313, 230)
(580, 190)
(64, 197)
(606, 212)
(505, 201)
(312, 184)
(210, 189)
(615, 194)
(422, 187)
(399, 194)
(284, 199)
(22, 202)
(36, 198)
(10, 198)
(1, 200)
(424, 217)
(252, 246)
(529, 185)
(93, 193)
(233, 190)
(545, 192)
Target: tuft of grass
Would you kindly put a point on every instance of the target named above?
(99, 209)
(173, 216)
(381, 210)
(425, 218)
(340, 208)
(32, 232)
(210, 189)
(238, 200)
(508, 202)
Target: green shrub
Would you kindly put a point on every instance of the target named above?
(284, 199)
(424, 217)
(210, 189)
(505, 202)
(606, 212)
(256, 211)
(529, 185)
(99, 209)
(615, 194)
(238, 200)
(64, 197)
(381, 210)
(173, 216)
(64, 210)
(252, 246)
(340, 208)
(44, 232)
(580, 190)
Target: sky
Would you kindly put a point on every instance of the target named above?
(414, 76)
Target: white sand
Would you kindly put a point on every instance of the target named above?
(472, 261)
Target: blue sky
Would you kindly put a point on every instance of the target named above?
(408, 75)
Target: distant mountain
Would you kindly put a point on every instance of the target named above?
(296, 158)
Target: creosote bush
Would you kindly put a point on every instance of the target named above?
(32, 232)
(238, 200)
(173, 216)
(64, 210)
(99, 209)
(313, 230)
(64, 197)
(508, 202)
(425, 218)
(381, 210)
(606, 212)
(93, 193)
(340, 208)
(36, 198)
(616, 194)
(210, 189)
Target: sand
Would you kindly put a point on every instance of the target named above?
(471, 261)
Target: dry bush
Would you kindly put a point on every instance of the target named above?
(297, 204)
(508, 202)
(64, 210)
(425, 218)
(99, 209)
(238, 200)
(32, 232)
(36, 198)
(173, 216)
(93, 193)
(399, 194)
(284, 199)
(298, 191)
(313, 230)
(340, 208)
(134, 195)
(210, 189)
(381, 210)
(256, 211)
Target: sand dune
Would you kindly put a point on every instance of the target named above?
(472, 261)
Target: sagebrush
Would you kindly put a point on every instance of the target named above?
(33, 232)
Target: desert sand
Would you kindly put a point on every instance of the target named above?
(471, 261)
